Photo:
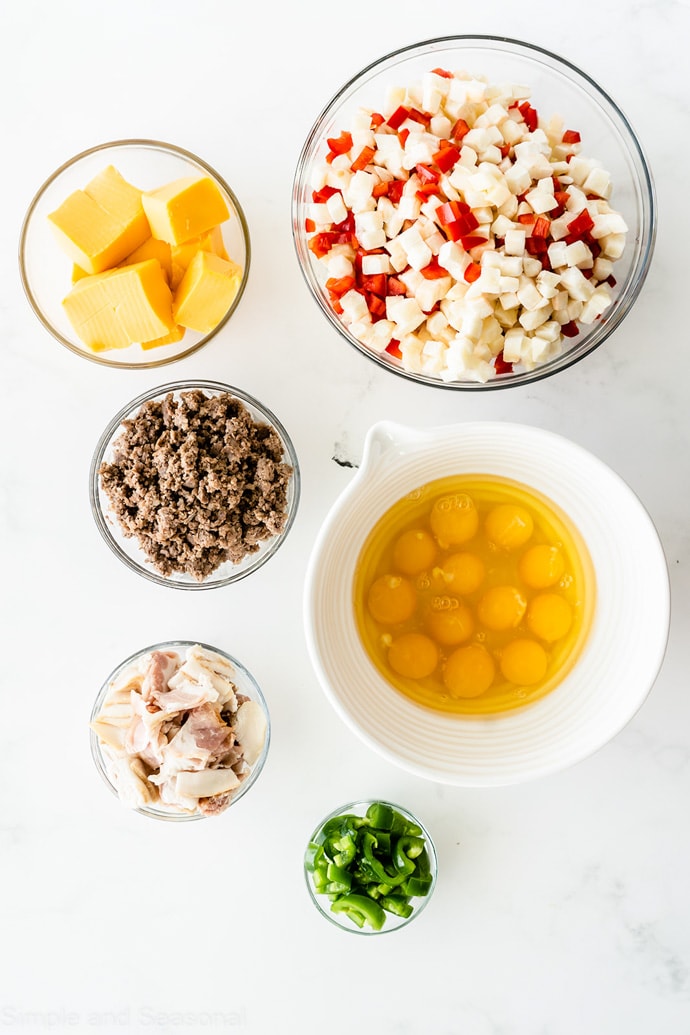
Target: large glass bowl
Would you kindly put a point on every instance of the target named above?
(245, 683)
(128, 549)
(46, 271)
(392, 921)
(557, 88)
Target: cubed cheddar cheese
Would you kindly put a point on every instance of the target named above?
(102, 224)
(206, 292)
(116, 196)
(185, 208)
(175, 335)
(112, 310)
(152, 249)
(182, 254)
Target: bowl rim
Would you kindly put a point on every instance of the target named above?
(362, 804)
(151, 144)
(499, 772)
(257, 694)
(568, 358)
(263, 555)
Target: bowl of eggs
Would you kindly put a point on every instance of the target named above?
(486, 602)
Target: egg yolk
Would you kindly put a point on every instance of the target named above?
(449, 621)
(502, 607)
(549, 616)
(541, 566)
(509, 526)
(464, 572)
(392, 599)
(454, 519)
(523, 662)
(413, 655)
(469, 671)
(414, 552)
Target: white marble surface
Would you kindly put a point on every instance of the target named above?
(563, 906)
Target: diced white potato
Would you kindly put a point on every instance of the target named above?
(577, 286)
(354, 306)
(404, 313)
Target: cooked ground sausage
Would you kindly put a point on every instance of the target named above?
(197, 481)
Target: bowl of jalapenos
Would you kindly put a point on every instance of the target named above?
(370, 867)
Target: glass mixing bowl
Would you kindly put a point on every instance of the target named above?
(392, 921)
(557, 88)
(244, 682)
(128, 549)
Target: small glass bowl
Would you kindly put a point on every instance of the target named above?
(128, 550)
(46, 270)
(392, 921)
(558, 88)
(245, 683)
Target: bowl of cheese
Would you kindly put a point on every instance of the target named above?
(134, 253)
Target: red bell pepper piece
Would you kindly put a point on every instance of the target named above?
(442, 72)
(473, 272)
(342, 144)
(446, 158)
(581, 224)
(398, 117)
(571, 136)
(433, 271)
(469, 243)
(529, 114)
(425, 192)
(396, 287)
(426, 174)
(347, 226)
(380, 189)
(535, 245)
(500, 365)
(377, 306)
(309, 226)
(320, 196)
(403, 134)
(363, 158)
(419, 116)
(338, 286)
(321, 244)
(376, 120)
(375, 284)
(395, 189)
(570, 330)
(527, 218)
(459, 130)
(542, 227)
(393, 348)
(450, 211)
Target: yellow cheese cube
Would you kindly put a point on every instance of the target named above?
(113, 310)
(78, 273)
(184, 208)
(182, 254)
(99, 226)
(123, 201)
(90, 236)
(176, 334)
(152, 249)
(206, 292)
